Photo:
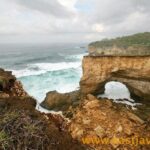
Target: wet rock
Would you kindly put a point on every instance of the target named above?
(58, 101)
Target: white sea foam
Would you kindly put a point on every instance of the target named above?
(41, 68)
(76, 57)
(119, 93)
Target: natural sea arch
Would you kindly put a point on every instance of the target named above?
(115, 90)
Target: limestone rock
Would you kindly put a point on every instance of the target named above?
(91, 104)
(105, 122)
(133, 45)
(132, 71)
(90, 97)
(58, 101)
(135, 118)
(99, 131)
(115, 142)
(128, 131)
(119, 128)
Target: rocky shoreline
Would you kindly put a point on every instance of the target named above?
(89, 117)
(23, 127)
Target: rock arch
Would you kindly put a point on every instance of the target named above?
(116, 90)
(134, 72)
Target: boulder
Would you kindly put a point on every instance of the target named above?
(10, 86)
(6, 80)
(59, 101)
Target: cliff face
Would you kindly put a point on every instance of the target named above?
(101, 118)
(119, 51)
(23, 127)
(133, 45)
(133, 71)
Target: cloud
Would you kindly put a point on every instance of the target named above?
(98, 28)
(52, 7)
(72, 20)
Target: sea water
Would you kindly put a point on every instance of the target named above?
(44, 67)
(47, 67)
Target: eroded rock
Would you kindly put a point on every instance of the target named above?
(107, 120)
(58, 101)
(132, 71)
(6, 80)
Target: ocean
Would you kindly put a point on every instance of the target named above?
(47, 67)
(44, 67)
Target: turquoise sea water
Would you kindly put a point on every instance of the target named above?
(43, 68)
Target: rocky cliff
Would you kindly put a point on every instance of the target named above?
(133, 45)
(10, 86)
(23, 127)
(133, 71)
(98, 119)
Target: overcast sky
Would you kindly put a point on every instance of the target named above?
(71, 20)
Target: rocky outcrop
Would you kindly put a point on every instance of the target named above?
(101, 119)
(59, 101)
(132, 71)
(133, 45)
(119, 51)
(6, 80)
(23, 127)
(9, 86)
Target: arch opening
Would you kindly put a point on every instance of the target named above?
(118, 92)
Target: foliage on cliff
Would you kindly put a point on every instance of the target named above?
(136, 40)
(22, 127)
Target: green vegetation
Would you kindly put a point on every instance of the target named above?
(4, 140)
(136, 40)
(9, 116)
(18, 128)
(24, 128)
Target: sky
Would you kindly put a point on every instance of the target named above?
(50, 21)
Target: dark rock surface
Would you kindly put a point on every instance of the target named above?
(6, 80)
(59, 101)
(23, 127)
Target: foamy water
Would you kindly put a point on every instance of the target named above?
(119, 93)
(40, 78)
